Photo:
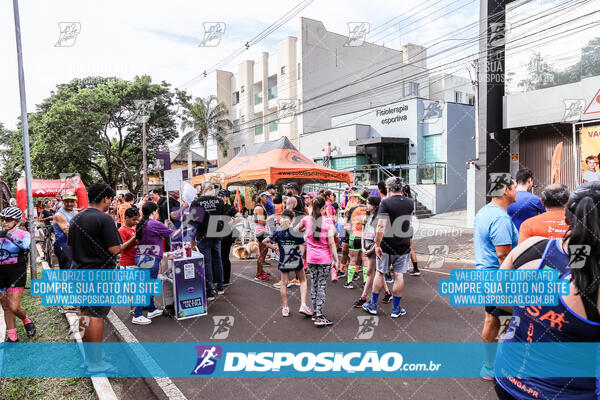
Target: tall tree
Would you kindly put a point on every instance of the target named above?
(203, 120)
(91, 127)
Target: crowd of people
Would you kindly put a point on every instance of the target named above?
(518, 229)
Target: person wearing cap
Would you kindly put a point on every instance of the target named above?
(62, 220)
(260, 231)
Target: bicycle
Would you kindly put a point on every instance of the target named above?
(48, 243)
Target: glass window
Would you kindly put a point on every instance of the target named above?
(242, 89)
(235, 98)
(283, 70)
(298, 71)
(433, 148)
(550, 43)
(458, 97)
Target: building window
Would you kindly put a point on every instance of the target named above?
(412, 89)
(236, 126)
(283, 70)
(242, 89)
(235, 98)
(432, 148)
(298, 71)
(458, 97)
(236, 150)
(471, 99)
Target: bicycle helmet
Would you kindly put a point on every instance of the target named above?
(11, 212)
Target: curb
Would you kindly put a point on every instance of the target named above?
(102, 386)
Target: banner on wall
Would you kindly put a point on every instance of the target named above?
(590, 150)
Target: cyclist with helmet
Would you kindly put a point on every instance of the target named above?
(14, 244)
(62, 221)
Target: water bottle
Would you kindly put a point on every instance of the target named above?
(334, 276)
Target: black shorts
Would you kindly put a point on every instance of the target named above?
(354, 244)
(346, 238)
(96, 311)
(64, 256)
(496, 312)
(13, 276)
(261, 236)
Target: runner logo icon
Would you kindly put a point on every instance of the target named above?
(223, 324)
(366, 327)
(578, 254)
(207, 359)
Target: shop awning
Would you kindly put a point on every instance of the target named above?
(378, 140)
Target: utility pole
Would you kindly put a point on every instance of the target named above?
(143, 108)
(475, 83)
(144, 158)
(25, 130)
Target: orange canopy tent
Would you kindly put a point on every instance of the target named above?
(276, 161)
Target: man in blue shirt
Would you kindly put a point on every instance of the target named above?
(494, 236)
(527, 204)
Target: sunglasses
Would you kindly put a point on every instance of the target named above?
(8, 220)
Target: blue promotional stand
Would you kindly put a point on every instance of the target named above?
(189, 290)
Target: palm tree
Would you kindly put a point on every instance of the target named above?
(203, 120)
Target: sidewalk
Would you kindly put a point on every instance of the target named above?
(447, 229)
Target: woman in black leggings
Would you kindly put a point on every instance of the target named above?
(227, 241)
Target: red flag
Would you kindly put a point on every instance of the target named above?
(237, 203)
(555, 168)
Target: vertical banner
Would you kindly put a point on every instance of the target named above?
(555, 168)
(189, 286)
(590, 149)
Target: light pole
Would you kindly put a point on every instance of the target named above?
(25, 130)
(143, 108)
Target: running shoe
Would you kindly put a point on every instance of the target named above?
(341, 274)
(154, 313)
(359, 303)
(486, 373)
(370, 308)
(68, 309)
(285, 311)
(414, 272)
(387, 298)
(220, 290)
(306, 311)
(355, 275)
(262, 277)
(397, 311)
(348, 285)
(141, 320)
(294, 282)
(389, 278)
(278, 284)
(30, 329)
(210, 297)
(322, 321)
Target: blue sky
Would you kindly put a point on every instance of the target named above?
(158, 38)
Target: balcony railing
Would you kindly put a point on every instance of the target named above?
(420, 174)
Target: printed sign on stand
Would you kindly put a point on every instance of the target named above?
(189, 286)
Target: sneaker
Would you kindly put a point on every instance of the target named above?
(226, 284)
(348, 285)
(285, 311)
(30, 329)
(313, 317)
(486, 373)
(387, 298)
(370, 308)
(154, 313)
(220, 291)
(414, 272)
(341, 275)
(294, 282)
(210, 297)
(262, 277)
(398, 311)
(278, 284)
(389, 278)
(68, 309)
(141, 320)
(355, 275)
(11, 341)
(322, 321)
(359, 303)
(306, 311)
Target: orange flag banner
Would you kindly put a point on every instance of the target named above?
(237, 203)
(555, 168)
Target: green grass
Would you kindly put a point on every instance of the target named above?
(51, 327)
